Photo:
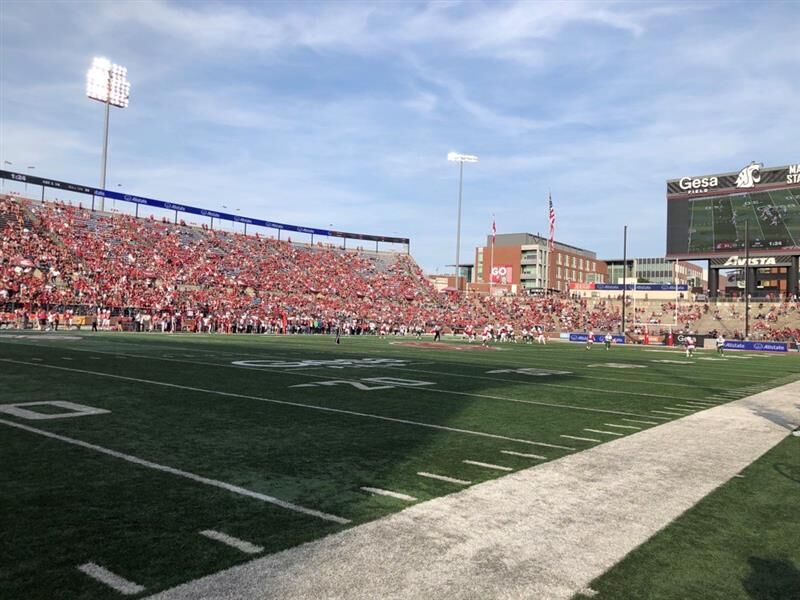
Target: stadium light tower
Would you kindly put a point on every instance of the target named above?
(107, 83)
(460, 159)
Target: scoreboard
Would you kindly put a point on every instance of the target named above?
(708, 215)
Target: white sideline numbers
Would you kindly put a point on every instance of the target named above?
(384, 383)
(70, 409)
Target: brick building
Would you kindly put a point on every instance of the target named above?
(523, 263)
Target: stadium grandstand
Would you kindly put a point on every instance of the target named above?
(69, 264)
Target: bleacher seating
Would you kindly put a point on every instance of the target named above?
(56, 256)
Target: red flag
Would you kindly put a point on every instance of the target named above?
(552, 218)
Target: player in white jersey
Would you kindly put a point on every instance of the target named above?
(720, 344)
(541, 339)
(690, 344)
(608, 339)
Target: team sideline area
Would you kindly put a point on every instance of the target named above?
(209, 451)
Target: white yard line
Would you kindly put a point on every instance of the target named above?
(390, 494)
(664, 412)
(537, 383)
(179, 472)
(679, 409)
(522, 454)
(112, 580)
(231, 541)
(605, 432)
(487, 465)
(287, 403)
(640, 421)
(622, 426)
(586, 512)
(444, 478)
(302, 373)
(583, 439)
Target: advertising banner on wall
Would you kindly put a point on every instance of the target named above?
(599, 338)
(502, 274)
(757, 346)
(639, 287)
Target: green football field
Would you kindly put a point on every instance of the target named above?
(162, 458)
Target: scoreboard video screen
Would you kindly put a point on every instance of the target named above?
(709, 215)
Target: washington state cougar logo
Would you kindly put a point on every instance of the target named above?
(749, 176)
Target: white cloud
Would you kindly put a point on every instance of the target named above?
(343, 112)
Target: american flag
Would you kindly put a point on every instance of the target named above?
(552, 217)
(494, 230)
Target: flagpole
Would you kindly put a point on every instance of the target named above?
(547, 269)
(491, 264)
(551, 241)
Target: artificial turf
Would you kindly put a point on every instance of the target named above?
(740, 542)
(180, 401)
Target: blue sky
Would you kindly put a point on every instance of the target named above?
(342, 113)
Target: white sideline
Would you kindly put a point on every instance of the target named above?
(487, 465)
(443, 478)
(544, 532)
(112, 580)
(391, 494)
(180, 473)
(231, 541)
(522, 454)
(287, 403)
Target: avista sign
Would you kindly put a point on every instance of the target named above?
(762, 261)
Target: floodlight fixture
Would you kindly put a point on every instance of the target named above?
(461, 159)
(107, 83)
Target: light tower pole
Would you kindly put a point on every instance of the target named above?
(107, 83)
(461, 159)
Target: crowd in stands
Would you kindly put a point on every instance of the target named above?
(58, 260)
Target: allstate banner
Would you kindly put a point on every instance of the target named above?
(633, 287)
(599, 338)
(756, 346)
(643, 287)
